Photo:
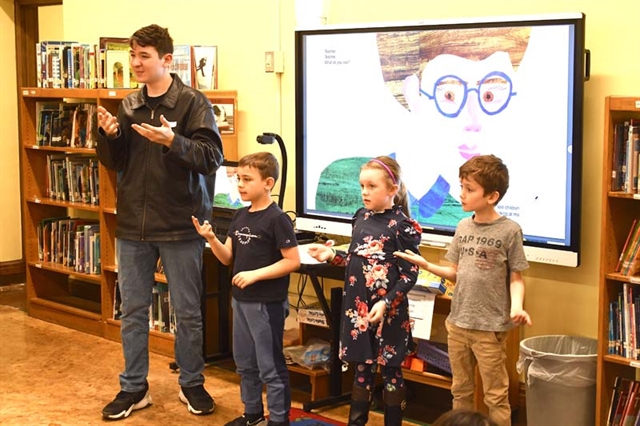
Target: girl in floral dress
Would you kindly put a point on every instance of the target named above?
(375, 328)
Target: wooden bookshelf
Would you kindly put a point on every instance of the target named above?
(58, 293)
(619, 209)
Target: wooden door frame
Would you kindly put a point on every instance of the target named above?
(26, 23)
(26, 34)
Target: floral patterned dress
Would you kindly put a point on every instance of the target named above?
(373, 273)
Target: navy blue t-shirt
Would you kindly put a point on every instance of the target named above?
(257, 240)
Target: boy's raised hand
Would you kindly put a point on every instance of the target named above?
(412, 257)
(205, 230)
(320, 252)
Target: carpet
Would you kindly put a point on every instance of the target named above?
(300, 417)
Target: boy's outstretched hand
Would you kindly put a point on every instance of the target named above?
(520, 317)
(206, 230)
(412, 257)
(321, 252)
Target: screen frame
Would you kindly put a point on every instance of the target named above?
(550, 253)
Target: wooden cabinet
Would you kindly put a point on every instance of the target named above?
(56, 291)
(619, 209)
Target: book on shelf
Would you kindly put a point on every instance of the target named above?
(618, 167)
(625, 248)
(44, 237)
(51, 53)
(633, 151)
(614, 341)
(224, 114)
(624, 322)
(117, 69)
(182, 63)
(430, 282)
(628, 261)
(205, 66)
(44, 114)
(160, 318)
(117, 301)
(91, 261)
(630, 411)
(84, 127)
(65, 64)
(631, 266)
(618, 398)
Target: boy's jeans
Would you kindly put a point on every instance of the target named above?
(137, 262)
(258, 330)
(487, 350)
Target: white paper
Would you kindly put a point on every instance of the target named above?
(421, 306)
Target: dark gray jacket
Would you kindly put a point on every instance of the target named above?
(159, 188)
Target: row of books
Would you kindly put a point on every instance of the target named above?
(66, 124)
(624, 323)
(71, 242)
(626, 156)
(69, 64)
(629, 260)
(625, 403)
(73, 178)
(161, 314)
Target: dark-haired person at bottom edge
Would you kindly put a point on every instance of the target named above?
(462, 417)
(487, 259)
(262, 246)
(166, 148)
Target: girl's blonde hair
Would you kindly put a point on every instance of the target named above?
(393, 173)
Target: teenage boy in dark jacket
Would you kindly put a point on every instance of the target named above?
(166, 148)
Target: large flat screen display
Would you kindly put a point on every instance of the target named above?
(433, 95)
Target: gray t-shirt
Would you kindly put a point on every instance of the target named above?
(485, 253)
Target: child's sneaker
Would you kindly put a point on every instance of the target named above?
(248, 420)
(125, 403)
(197, 399)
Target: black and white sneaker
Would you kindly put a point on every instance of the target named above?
(248, 420)
(197, 399)
(125, 403)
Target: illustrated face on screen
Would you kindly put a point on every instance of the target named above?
(462, 97)
(461, 107)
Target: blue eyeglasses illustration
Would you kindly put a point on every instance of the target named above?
(450, 93)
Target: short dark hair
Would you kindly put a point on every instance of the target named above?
(463, 417)
(155, 36)
(490, 173)
(265, 162)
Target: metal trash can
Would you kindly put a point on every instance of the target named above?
(560, 377)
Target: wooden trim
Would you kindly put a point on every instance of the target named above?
(23, 3)
(12, 267)
(26, 21)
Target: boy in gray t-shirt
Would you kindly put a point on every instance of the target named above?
(487, 262)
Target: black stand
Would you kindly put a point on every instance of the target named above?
(332, 314)
(216, 309)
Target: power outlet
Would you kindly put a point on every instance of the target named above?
(268, 61)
